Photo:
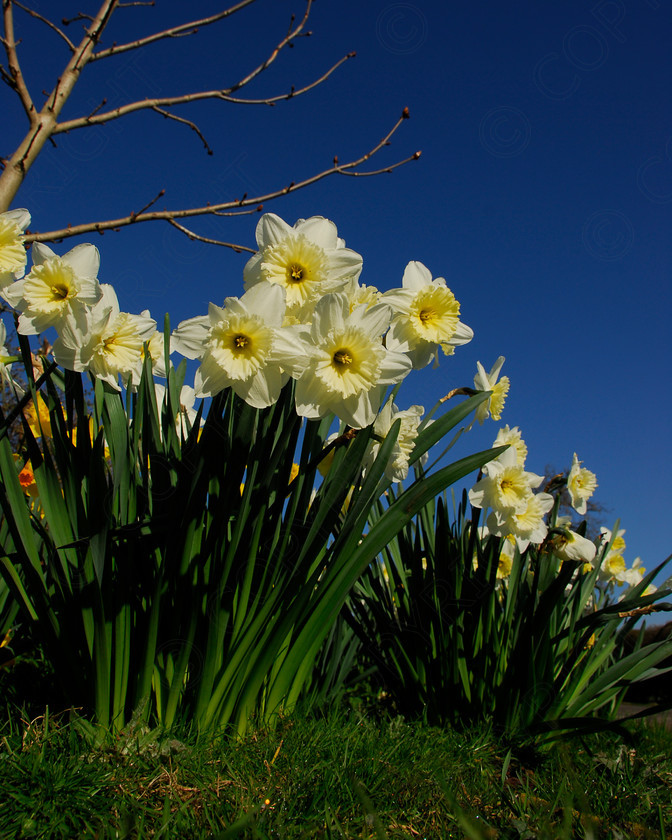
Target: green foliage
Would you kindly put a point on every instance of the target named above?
(533, 652)
(191, 577)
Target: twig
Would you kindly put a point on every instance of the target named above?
(147, 206)
(223, 94)
(183, 29)
(192, 125)
(237, 248)
(215, 209)
(17, 81)
(51, 25)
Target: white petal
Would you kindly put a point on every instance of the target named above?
(84, 259)
(319, 230)
(416, 276)
(271, 229)
(41, 252)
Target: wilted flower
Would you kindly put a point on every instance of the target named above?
(56, 288)
(426, 317)
(307, 260)
(13, 257)
(581, 484)
(488, 382)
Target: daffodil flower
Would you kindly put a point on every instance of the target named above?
(527, 526)
(512, 438)
(506, 488)
(397, 466)
(244, 346)
(569, 545)
(581, 484)
(489, 382)
(57, 288)
(348, 367)
(307, 260)
(426, 317)
(13, 257)
(5, 358)
(109, 344)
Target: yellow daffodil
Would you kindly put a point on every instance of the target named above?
(512, 438)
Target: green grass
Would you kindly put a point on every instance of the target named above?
(342, 776)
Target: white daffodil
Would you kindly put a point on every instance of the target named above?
(581, 484)
(349, 367)
(572, 546)
(489, 382)
(358, 294)
(397, 466)
(57, 288)
(525, 527)
(617, 541)
(186, 413)
(307, 260)
(155, 350)
(109, 344)
(512, 438)
(244, 346)
(13, 256)
(426, 317)
(505, 487)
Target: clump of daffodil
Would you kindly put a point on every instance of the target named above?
(426, 317)
(56, 289)
(13, 257)
(307, 260)
(489, 382)
(348, 364)
(581, 484)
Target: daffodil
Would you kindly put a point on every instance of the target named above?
(617, 541)
(13, 257)
(244, 346)
(409, 421)
(426, 317)
(512, 438)
(569, 545)
(581, 484)
(506, 488)
(307, 260)
(109, 344)
(57, 288)
(490, 382)
(348, 367)
(527, 526)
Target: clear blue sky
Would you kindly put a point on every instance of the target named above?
(543, 194)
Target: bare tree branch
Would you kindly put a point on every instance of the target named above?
(215, 209)
(15, 76)
(51, 25)
(95, 118)
(175, 31)
(194, 236)
(192, 125)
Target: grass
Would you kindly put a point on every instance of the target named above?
(344, 775)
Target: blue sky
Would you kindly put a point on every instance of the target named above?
(543, 194)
